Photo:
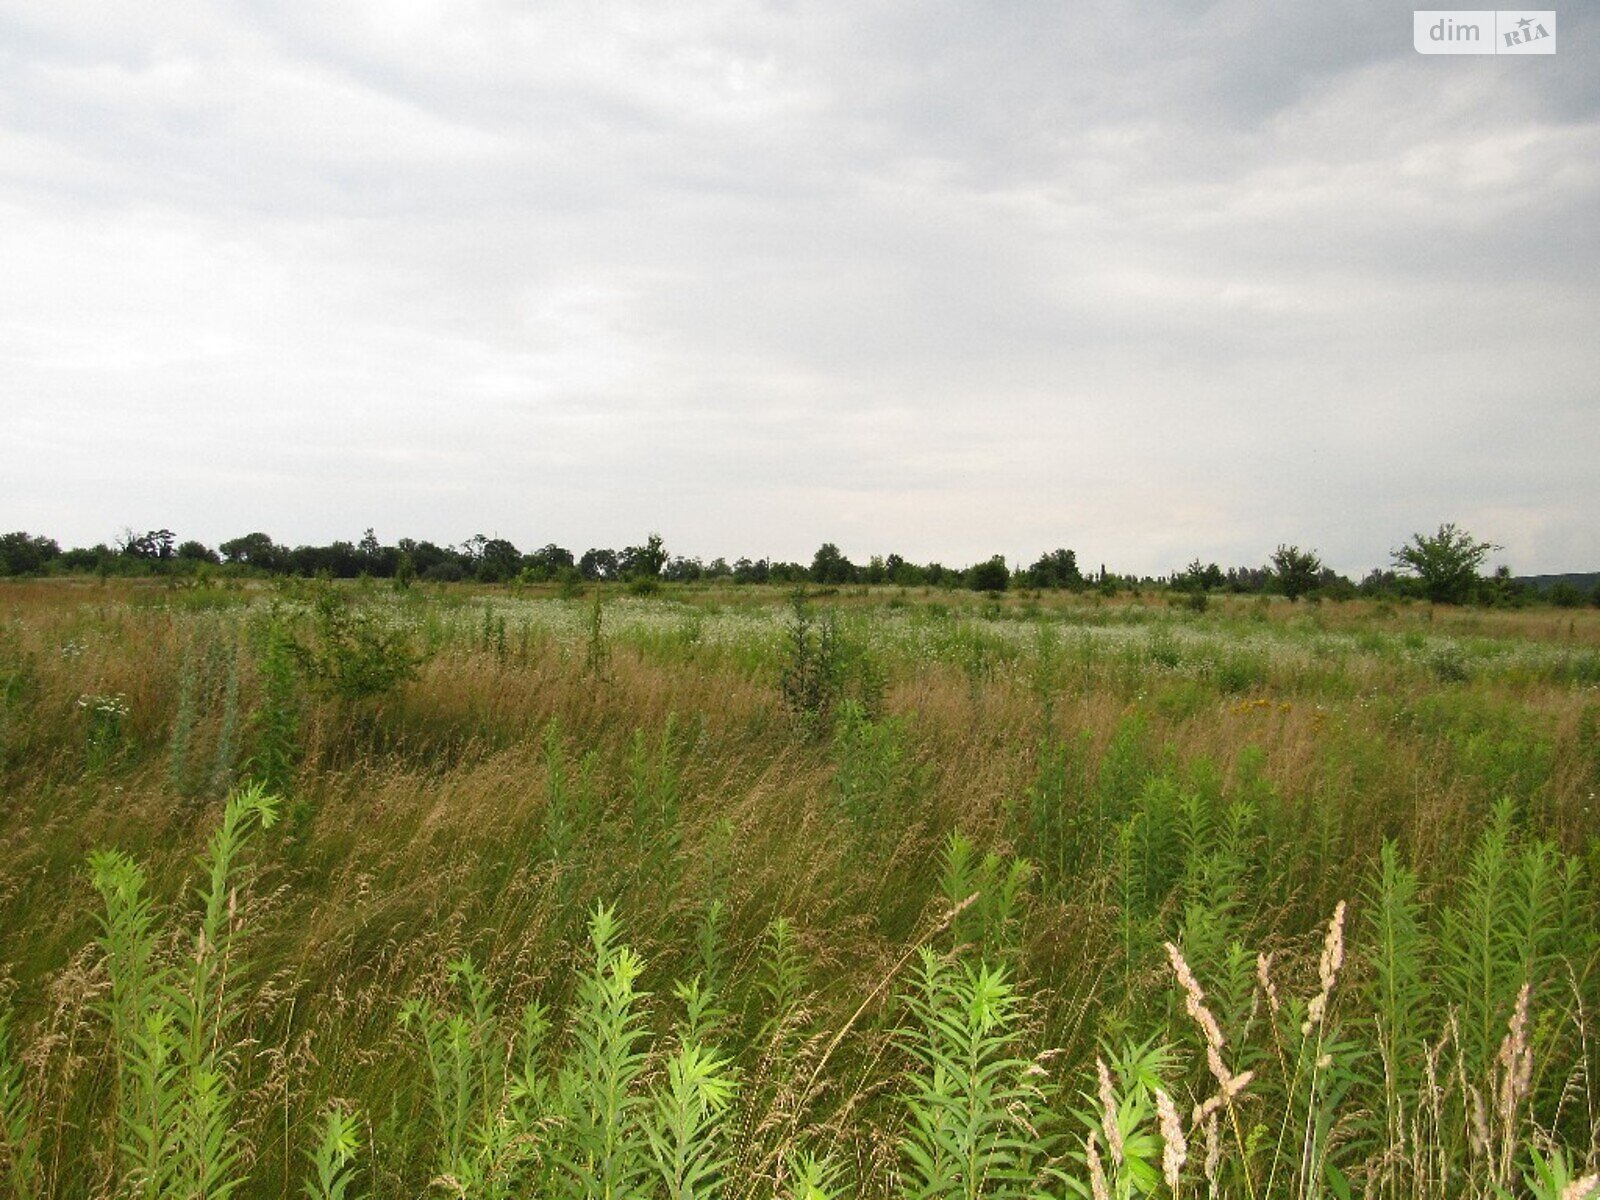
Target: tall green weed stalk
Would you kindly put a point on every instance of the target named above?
(276, 718)
(977, 1124)
(173, 1012)
(812, 679)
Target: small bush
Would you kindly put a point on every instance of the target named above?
(812, 680)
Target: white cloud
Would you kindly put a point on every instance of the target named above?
(934, 279)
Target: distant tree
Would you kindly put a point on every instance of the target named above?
(92, 558)
(1565, 594)
(546, 563)
(21, 554)
(1447, 563)
(1500, 590)
(903, 573)
(643, 562)
(830, 566)
(681, 570)
(433, 562)
(336, 560)
(718, 568)
(445, 570)
(158, 545)
(1198, 577)
(1378, 582)
(1057, 569)
(1333, 586)
(599, 564)
(255, 550)
(1296, 569)
(991, 576)
(1241, 580)
(497, 560)
(745, 571)
(376, 559)
(197, 552)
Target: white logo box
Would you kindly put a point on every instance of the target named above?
(1484, 31)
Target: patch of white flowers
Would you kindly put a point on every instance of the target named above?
(114, 705)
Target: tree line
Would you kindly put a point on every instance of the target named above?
(1444, 567)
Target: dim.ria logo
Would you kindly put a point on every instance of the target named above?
(1484, 31)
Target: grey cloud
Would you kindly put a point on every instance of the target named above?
(1151, 280)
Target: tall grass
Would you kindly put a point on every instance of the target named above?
(642, 927)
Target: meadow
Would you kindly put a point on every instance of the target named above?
(343, 890)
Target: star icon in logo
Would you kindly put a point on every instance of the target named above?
(1524, 23)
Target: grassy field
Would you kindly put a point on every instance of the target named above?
(701, 893)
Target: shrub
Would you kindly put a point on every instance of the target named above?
(352, 654)
(812, 680)
(991, 576)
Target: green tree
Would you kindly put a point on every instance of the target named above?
(991, 576)
(1057, 569)
(1447, 563)
(158, 544)
(1199, 577)
(198, 552)
(497, 560)
(546, 564)
(21, 554)
(255, 550)
(831, 566)
(646, 561)
(598, 563)
(1297, 570)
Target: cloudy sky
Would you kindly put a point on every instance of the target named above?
(1152, 281)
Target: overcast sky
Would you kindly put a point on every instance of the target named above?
(1152, 281)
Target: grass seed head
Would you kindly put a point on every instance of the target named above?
(1264, 977)
(1097, 1171)
(1108, 1111)
(1175, 1150)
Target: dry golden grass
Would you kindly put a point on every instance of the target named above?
(417, 831)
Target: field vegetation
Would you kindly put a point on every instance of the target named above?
(572, 889)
